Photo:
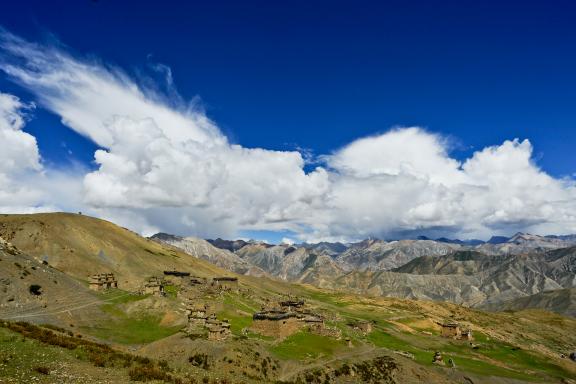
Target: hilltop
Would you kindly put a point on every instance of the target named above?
(81, 245)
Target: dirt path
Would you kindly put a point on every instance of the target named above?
(63, 309)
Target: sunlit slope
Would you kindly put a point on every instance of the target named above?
(33, 291)
(81, 245)
(561, 301)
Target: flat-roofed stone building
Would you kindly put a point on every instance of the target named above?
(451, 329)
(225, 283)
(195, 280)
(218, 331)
(200, 319)
(276, 323)
(102, 282)
(466, 334)
(292, 305)
(154, 286)
(313, 324)
(176, 273)
(197, 314)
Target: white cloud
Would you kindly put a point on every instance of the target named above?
(19, 157)
(405, 182)
(159, 155)
(165, 166)
(25, 185)
(397, 152)
(19, 149)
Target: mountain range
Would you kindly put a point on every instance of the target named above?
(471, 273)
(78, 334)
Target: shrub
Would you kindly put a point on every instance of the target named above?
(199, 360)
(97, 359)
(146, 373)
(35, 289)
(43, 370)
(163, 364)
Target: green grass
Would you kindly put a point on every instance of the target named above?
(128, 329)
(171, 291)
(238, 311)
(485, 368)
(303, 345)
(386, 340)
(520, 359)
(133, 330)
(519, 364)
(237, 323)
(329, 298)
(241, 303)
(389, 341)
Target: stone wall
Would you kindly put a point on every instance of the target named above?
(280, 328)
(450, 331)
(102, 281)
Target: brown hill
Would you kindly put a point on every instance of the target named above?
(561, 301)
(34, 291)
(80, 246)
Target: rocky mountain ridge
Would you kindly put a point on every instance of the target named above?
(472, 275)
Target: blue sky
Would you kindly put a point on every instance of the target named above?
(318, 75)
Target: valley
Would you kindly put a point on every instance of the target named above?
(55, 328)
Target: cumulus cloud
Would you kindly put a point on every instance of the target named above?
(19, 156)
(164, 165)
(404, 182)
(159, 154)
(25, 185)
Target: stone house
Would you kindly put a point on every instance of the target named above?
(362, 326)
(314, 323)
(466, 334)
(102, 282)
(154, 286)
(225, 283)
(226, 326)
(218, 332)
(199, 318)
(197, 314)
(276, 323)
(292, 305)
(451, 330)
(176, 273)
(195, 280)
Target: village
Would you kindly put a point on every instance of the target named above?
(276, 319)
